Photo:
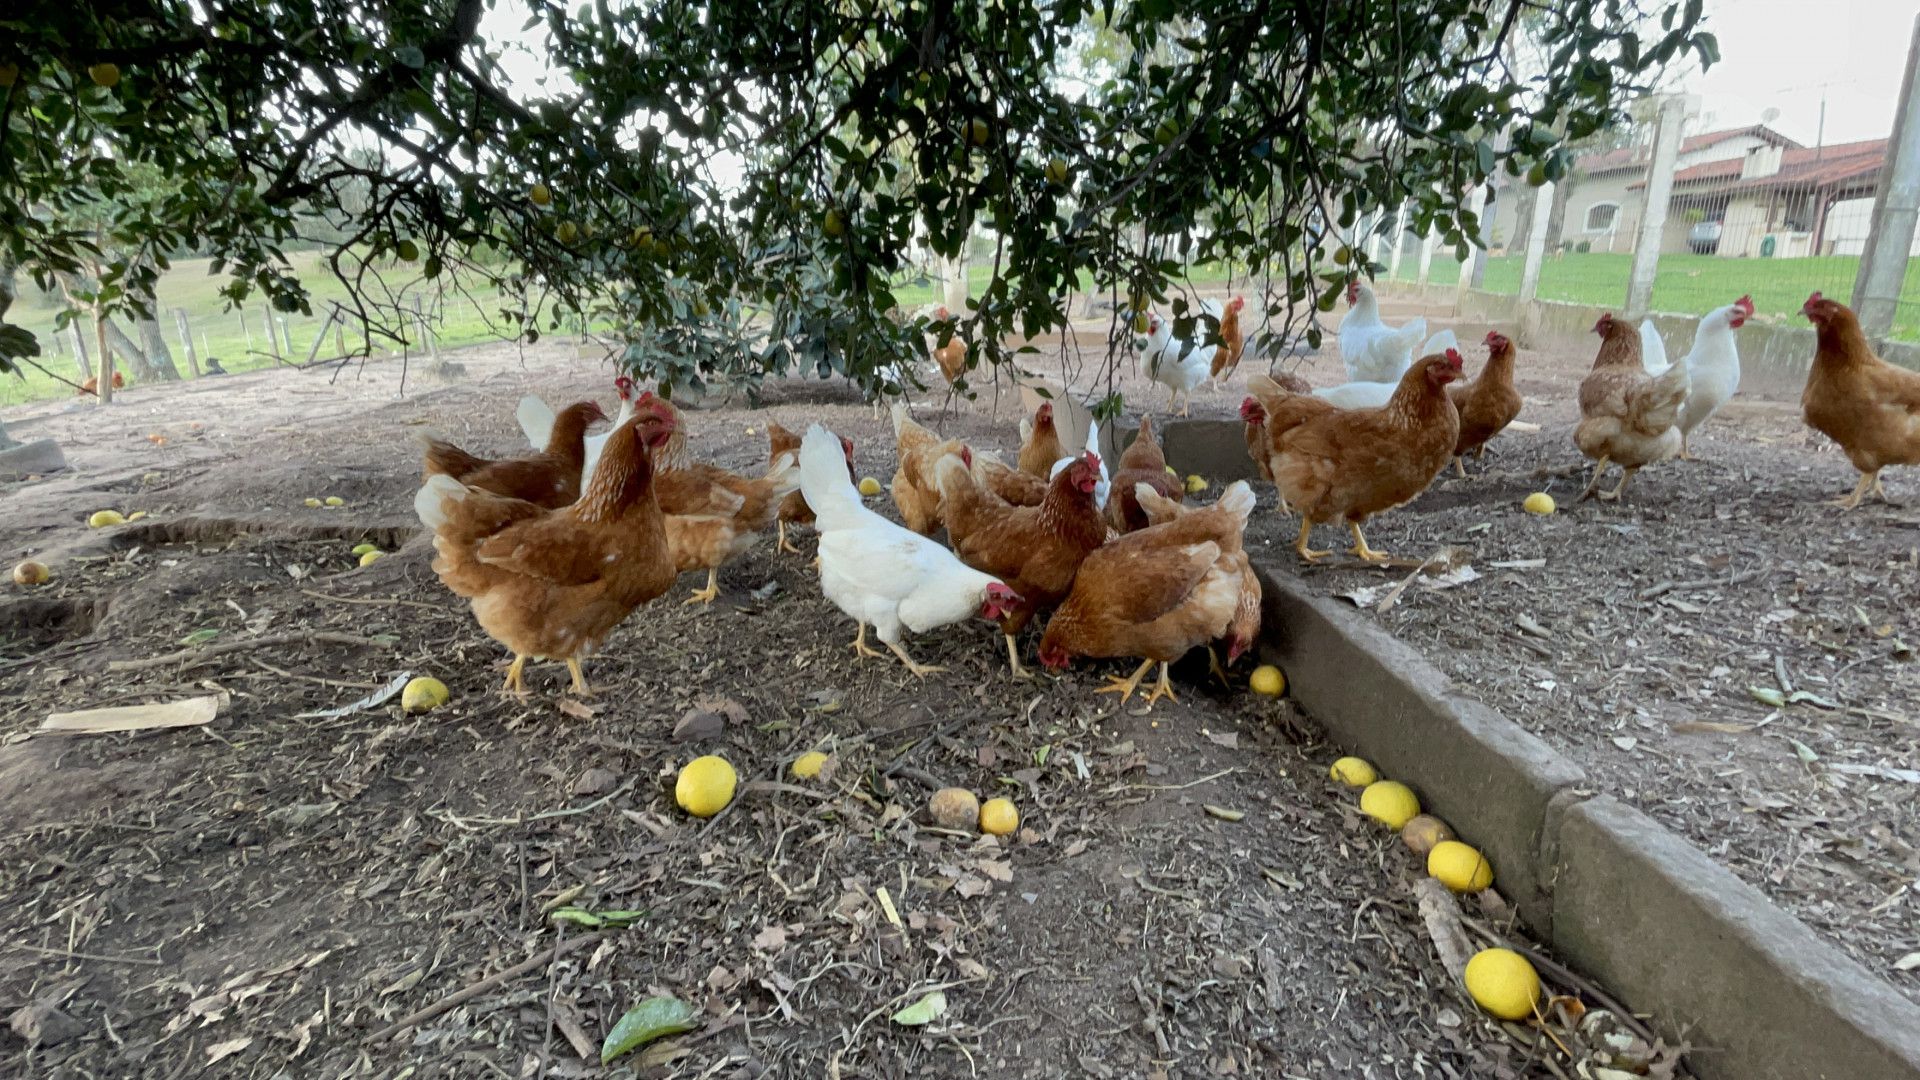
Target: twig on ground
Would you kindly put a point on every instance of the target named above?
(491, 982)
(200, 653)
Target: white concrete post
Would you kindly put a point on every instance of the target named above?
(1476, 204)
(1399, 239)
(1426, 254)
(1536, 242)
(1896, 206)
(1653, 223)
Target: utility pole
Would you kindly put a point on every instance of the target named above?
(1653, 224)
(1896, 206)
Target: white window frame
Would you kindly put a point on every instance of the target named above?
(1586, 219)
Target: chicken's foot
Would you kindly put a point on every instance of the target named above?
(1599, 470)
(707, 595)
(922, 670)
(1125, 687)
(1625, 476)
(785, 544)
(1163, 688)
(1360, 548)
(1013, 657)
(861, 647)
(515, 670)
(1869, 482)
(1213, 664)
(1306, 534)
(579, 686)
(1460, 466)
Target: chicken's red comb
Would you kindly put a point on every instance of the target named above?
(1815, 298)
(1092, 459)
(1745, 302)
(1453, 357)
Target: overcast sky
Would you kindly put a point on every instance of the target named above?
(1779, 53)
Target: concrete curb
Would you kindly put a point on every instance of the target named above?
(1660, 923)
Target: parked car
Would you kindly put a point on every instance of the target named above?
(1704, 237)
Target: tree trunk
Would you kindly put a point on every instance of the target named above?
(1523, 198)
(156, 360)
(1557, 218)
(6, 301)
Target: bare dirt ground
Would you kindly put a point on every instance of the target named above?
(271, 894)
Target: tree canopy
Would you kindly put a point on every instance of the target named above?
(742, 188)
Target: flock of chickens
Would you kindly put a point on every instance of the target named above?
(555, 549)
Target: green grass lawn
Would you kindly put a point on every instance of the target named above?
(1688, 283)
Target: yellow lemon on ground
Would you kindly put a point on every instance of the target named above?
(136, 515)
(807, 765)
(103, 518)
(1538, 503)
(1389, 802)
(869, 486)
(1268, 680)
(105, 75)
(1424, 833)
(314, 503)
(955, 808)
(31, 573)
(705, 786)
(423, 693)
(1196, 485)
(1503, 983)
(998, 817)
(539, 195)
(1459, 866)
(370, 557)
(1353, 772)
(362, 549)
(334, 500)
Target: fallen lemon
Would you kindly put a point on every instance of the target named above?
(705, 786)
(423, 693)
(807, 765)
(955, 808)
(1424, 833)
(1170, 471)
(334, 500)
(362, 549)
(103, 518)
(998, 817)
(1459, 867)
(869, 486)
(1503, 983)
(1538, 503)
(1268, 680)
(1196, 485)
(370, 557)
(1389, 802)
(31, 573)
(1353, 772)
(315, 503)
(136, 515)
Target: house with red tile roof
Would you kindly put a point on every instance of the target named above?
(1783, 203)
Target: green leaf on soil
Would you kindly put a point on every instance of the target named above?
(200, 636)
(922, 1012)
(655, 1018)
(1767, 695)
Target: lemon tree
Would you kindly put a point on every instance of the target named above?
(741, 192)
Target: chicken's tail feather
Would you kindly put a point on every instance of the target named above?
(430, 502)
(784, 475)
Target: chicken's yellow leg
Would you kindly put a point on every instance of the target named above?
(860, 645)
(785, 544)
(579, 686)
(1306, 534)
(1621, 486)
(1163, 688)
(1685, 455)
(1360, 547)
(1460, 466)
(1213, 664)
(1125, 687)
(1599, 470)
(1866, 484)
(922, 670)
(706, 595)
(1013, 657)
(1879, 489)
(514, 672)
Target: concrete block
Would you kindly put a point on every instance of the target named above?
(1669, 930)
(32, 459)
(1215, 449)
(1486, 776)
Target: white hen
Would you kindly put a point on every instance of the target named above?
(1713, 365)
(1371, 350)
(1175, 363)
(536, 423)
(1373, 395)
(881, 573)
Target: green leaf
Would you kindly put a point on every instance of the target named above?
(923, 1012)
(577, 916)
(655, 1018)
(200, 636)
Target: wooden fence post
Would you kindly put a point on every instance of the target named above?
(245, 329)
(273, 341)
(186, 340)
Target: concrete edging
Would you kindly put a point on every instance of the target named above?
(1659, 922)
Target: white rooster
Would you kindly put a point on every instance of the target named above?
(1713, 365)
(1372, 350)
(536, 423)
(1372, 395)
(881, 573)
(1175, 363)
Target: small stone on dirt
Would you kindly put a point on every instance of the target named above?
(699, 724)
(40, 1024)
(594, 781)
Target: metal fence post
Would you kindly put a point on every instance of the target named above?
(1536, 242)
(1896, 205)
(1653, 223)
